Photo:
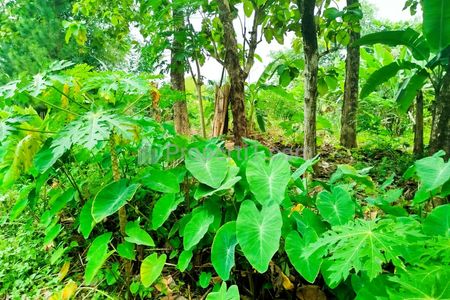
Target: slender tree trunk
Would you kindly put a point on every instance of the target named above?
(177, 68)
(418, 126)
(122, 211)
(351, 91)
(311, 50)
(440, 139)
(236, 73)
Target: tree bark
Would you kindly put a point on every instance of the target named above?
(177, 68)
(418, 126)
(351, 90)
(235, 72)
(440, 139)
(311, 50)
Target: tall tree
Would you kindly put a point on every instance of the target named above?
(351, 89)
(177, 70)
(236, 73)
(311, 52)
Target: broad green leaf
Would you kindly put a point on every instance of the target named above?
(111, 198)
(248, 8)
(184, 259)
(52, 233)
(137, 235)
(161, 181)
(62, 200)
(222, 250)
(258, 233)
(438, 222)
(96, 256)
(87, 223)
(308, 268)
(307, 220)
(432, 282)
(268, 182)
(409, 89)
(151, 268)
(196, 228)
(433, 172)
(126, 250)
(436, 23)
(347, 171)
(223, 294)
(163, 208)
(204, 279)
(209, 165)
(304, 167)
(384, 74)
(337, 207)
(408, 37)
(230, 180)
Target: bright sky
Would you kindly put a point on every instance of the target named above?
(385, 9)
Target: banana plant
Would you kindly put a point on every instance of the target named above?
(434, 41)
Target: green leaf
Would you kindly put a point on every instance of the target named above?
(163, 208)
(409, 89)
(308, 268)
(258, 233)
(52, 233)
(126, 250)
(436, 23)
(160, 181)
(363, 246)
(184, 259)
(137, 235)
(408, 37)
(96, 256)
(433, 172)
(230, 180)
(384, 74)
(337, 207)
(204, 279)
(304, 167)
(62, 200)
(111, 198)
(87, 223)
(196, 228)
(151, 268)
(438, 222)
(268, 182)
(209, 165)
(222, 250)
(223, 294)
(248, 8)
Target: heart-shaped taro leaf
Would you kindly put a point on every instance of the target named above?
(111, 198)
(337, 207)
(222, 251)
(307, 267)
(208, 165)
(258, 233)
(268, 182)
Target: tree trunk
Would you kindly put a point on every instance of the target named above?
(220, 122)
(177, 68)
(311, 51)
(351, 92)
(418, 126)
(235, 72)
(440, 139)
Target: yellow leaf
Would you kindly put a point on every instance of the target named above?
(287, 284)
(64, 270)
(55, 296)
(64, 99)
(69, 290)
(298, 208)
